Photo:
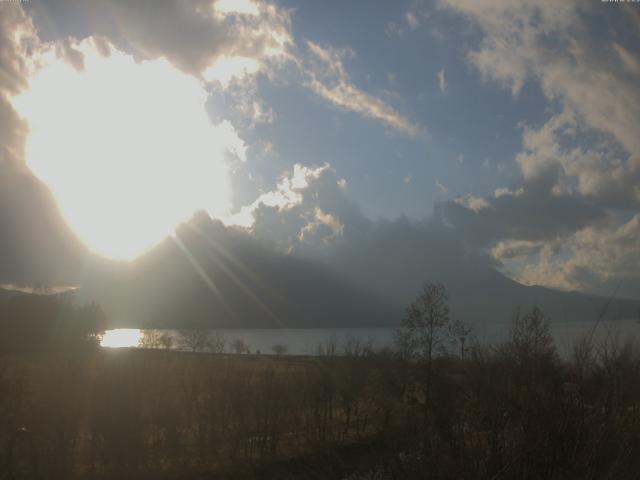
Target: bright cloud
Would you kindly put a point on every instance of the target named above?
(475, 204)
(412, 20)
(225, 69)
(329, 79)
(440, 186)
(286, 195)
(442, 82)
(590, 259)
(245, 7)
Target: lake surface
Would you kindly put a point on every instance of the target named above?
(307, 341)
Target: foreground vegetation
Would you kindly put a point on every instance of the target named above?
(514, 410)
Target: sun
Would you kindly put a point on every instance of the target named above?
(126, 146)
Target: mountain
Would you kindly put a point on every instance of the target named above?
(412, 252)
(208, 274)
(36, 245)
(222, 277)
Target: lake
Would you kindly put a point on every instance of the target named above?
(306, 341)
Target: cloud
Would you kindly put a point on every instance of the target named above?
(17, 37)
(551, 230)
(228, 44)
(309, 207)
(595, 171)
(535, 213)
(580, 169)
(551, 43)
(244, 7)
(323, 227)
(209, 42)
(595, 259)
(370, 253)
(392, 29)
(516, 248)
(510, 48)
(440, 186)
(475, 204)
(442, 82)
(412, 21)
(628, 59)
(329, 79)
(193, 38)
(218, 41)
(59, 78)
(310, 215)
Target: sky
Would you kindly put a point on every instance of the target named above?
(514, 125)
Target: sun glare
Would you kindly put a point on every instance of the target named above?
(126, 147)
(226, 68)
(246, 7)
(121, 337)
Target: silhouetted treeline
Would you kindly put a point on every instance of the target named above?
(35, 323)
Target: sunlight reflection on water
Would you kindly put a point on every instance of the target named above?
(306, 341)
(121, 337)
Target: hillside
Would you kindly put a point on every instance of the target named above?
(222, 277)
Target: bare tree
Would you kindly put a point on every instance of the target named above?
(239, 346)
(356, 347)
(280, 349)
(150, 339)
(195, 339)
(166, 341)
(217, 343)
(328, 348)
(530, 337)
(427, 330)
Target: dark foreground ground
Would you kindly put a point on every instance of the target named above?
(512, 411)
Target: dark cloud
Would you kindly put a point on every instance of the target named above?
(187, 33)
(190, 34)
(525, 215)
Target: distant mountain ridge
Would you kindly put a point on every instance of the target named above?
(36, 244)
(220, 277)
